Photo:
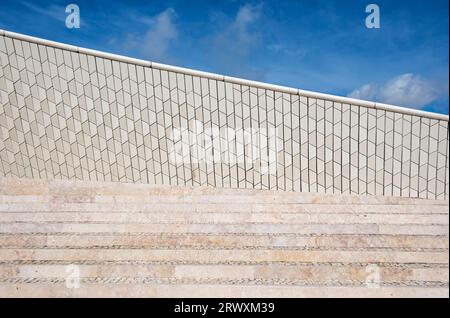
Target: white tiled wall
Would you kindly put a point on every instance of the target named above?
(66, 115)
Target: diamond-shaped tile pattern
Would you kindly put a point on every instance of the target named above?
(67, 115)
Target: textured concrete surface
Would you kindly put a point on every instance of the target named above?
(119, 239)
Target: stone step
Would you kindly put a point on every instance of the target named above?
(244, 217)
(314, 272)
(231, 207)
(234, 240)
(261, 198)
(42, 289)
(310, 228)
(146, 240)
(125, 192)
(216, 255)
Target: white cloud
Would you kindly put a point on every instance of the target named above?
(237, 36)
(154, 36)
(235, 41)
(408, 89)
(246, 15)
(366, 92)
(404, 90)
(162, 32)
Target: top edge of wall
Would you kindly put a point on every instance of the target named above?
(228, 79)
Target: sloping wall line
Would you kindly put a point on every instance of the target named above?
(73, 113)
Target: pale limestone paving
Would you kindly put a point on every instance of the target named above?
(196, 244)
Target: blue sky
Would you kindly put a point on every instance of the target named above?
(311, 44)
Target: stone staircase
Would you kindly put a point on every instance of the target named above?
(94, 239)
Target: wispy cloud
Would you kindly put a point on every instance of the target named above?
(366, 92)
(160, 33)
(53, 11)
(235, 41)
(404, 90)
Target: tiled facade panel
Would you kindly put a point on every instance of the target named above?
(66, 115)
